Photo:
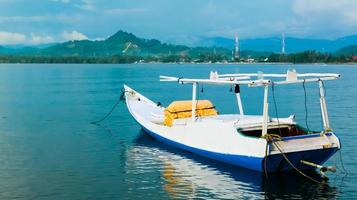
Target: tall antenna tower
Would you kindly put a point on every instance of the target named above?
(283, 44)
(236, 49)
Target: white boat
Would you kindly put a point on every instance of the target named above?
(259, 143)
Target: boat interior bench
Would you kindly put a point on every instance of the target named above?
(286, 130)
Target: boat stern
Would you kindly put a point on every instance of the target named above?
(289, 152)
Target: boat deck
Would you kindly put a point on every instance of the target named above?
(155, 114)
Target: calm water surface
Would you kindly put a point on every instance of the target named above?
(49, 150)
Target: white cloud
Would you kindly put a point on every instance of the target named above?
(125, 11)
(24, 18)
(341, 11)
(11, 38)
(323, 5)
(99, 38)
(210, 8)
(325, 18)
(62, 18)
(86, 5)
(73, 35)
(37, 39)
(61, 1)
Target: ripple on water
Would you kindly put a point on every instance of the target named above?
(48, 149)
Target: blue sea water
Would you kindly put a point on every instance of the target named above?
(49, 149)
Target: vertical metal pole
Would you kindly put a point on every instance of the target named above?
(324, 113)
(239, 100)
(240, 106)
(194, 101)
(265, 111)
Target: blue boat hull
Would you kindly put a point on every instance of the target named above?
(274, 163)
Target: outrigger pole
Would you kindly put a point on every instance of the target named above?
(239, 100)
(265, 111)
(194, 101)
(291, 77)
(324, 113)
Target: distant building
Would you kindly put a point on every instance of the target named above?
(236, 48)
(250, 60)
(283, 44)
(354, 58)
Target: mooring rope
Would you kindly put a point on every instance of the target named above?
(265, 160)
(267, 144)
(276, 108)
(306, 111)
(269, 135)
(294, 167)
(271, 138)
(342, 164)
(120, 99)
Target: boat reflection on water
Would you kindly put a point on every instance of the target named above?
(185, 175)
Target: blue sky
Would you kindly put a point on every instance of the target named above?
(34, 22)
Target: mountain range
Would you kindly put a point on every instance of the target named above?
(124, 43)
(273, 44)
(121, 43)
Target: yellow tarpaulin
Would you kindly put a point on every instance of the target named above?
(183, 109)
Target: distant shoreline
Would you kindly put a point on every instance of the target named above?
(183, 63)
(126, 48)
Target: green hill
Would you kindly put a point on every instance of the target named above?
(348, 50)
(121, 43)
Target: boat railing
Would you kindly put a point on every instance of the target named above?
(260, 79)
(291, 77)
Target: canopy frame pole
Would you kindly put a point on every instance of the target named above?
(194, 101)
(324, 113)
(239, 99)
(265, 111)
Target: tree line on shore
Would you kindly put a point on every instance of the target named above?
(301, 57)
(311, 57)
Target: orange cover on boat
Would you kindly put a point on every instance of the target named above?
(183, 109)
